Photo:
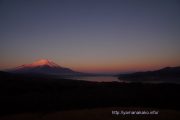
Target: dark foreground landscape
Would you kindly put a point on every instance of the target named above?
(43, 97)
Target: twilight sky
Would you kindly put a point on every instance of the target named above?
(107, 36)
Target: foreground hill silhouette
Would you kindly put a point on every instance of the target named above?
(167, 74)
(21, 94)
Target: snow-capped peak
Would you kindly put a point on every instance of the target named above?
(39, 63)
(43, 66)
(43, 62)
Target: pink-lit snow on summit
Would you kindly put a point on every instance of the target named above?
(44, 66)
(39, 63)
(43, 62)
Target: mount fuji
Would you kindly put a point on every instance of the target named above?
(43, 66)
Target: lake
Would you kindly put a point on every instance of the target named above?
(115, 79)
(97, 78)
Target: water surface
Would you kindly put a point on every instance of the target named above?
(115, 79)
(97, 78)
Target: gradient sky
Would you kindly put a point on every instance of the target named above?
(91, 35)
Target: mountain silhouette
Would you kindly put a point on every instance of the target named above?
(167, 73)
(43, 66)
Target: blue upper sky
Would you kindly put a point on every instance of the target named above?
(91, 35)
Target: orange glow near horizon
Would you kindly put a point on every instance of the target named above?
(102, 67)
(117, 68)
